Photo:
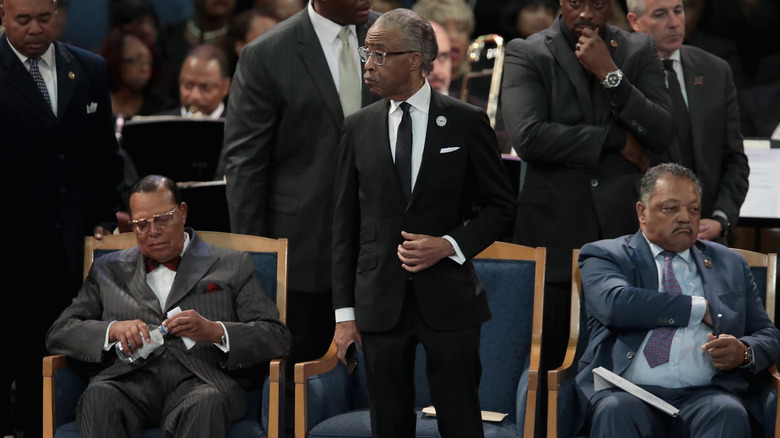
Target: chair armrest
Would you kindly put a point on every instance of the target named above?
(303, 371)
(50, 365)
(276, 398)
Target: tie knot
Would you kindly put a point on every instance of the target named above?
(344, 34)
(405, 107)
(34, 61)
(668, 64)
(668, 255)
(172, 264)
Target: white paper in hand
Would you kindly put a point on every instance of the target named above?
(189, 343)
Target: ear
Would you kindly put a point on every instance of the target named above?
(416, 61)
(633, 20)
(183, 209)
(641, 210)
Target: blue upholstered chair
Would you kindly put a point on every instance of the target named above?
(330, 403)
(63, 385)
(562, 406)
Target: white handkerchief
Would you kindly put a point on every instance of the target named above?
(449, 149)
(187, 341)
(92, 108)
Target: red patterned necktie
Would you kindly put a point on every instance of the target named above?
(657, 348)
(172, 264)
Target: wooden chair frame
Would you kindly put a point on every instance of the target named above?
(498, 250)
(240, 242)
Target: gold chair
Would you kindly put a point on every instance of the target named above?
(270, 256)
(329, 401)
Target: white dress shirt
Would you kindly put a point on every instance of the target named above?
(48, 68)
(328, 33)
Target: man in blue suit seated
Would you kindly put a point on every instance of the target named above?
(651, 300)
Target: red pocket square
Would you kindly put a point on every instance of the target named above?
(212, 287)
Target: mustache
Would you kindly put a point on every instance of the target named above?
(679, 227)
(370, 77)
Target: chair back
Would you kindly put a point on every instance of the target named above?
(764, 269)
(510, 343)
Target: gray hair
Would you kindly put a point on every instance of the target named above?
(416, 34)
(647, 185)
(441, 11)
(636, 7)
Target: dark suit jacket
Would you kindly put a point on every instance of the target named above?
(463, 193)
(573, 190)
(62, 174)
(620, 288)
(280, 145)
(718, 153)
(116, 290)
(760, 109)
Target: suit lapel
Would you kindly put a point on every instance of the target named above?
(19, 79)
(134, 272)
(434, 140)
(193, 266)
(643, 258)
(559, 47)
(697, 101)
(310, 52)
(67, 76)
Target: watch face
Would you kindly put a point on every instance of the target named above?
(613, 79)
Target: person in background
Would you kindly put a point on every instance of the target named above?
(60, 164)
(522, 18)
(204, 84)
(441, 76)
(245, 27)
(134, 68)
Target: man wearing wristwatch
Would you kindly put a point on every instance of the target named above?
(679, 316)
(583, 102)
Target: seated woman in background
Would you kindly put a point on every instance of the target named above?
(133, 69)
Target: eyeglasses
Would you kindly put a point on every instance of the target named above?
(161, 221)
(378, 55)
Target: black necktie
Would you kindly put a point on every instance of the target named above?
(403, 151)
(681, 116)
(38, 78)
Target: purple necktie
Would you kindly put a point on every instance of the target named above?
(38, 78)
(403, 151)
(657, 348)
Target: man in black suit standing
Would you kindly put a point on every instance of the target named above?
(704, 104)
(420, 190)
(290, 93)
(60, 166)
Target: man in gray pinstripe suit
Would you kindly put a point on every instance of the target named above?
(194, 387)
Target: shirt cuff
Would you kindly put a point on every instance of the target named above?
(106, 345)
(698, 309)
(458, 256)
(225, 348)
(345, 314)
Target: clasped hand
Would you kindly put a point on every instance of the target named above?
(420, 251)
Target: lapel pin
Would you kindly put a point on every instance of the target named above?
(698, 80)
(707, 264)
(71, 75)
(613, 43)
(441, 121)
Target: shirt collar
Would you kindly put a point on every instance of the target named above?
(420, 101)
(47, 57)
(675, 56)
(213, 116)
(655, 250)
(326, 29)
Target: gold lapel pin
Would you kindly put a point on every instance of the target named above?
(613, 43)
(707, 264)
(72, 75)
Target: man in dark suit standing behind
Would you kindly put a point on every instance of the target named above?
(704, 104)
(290, 93)
(60, 166)
(420, 190)
(583, 102)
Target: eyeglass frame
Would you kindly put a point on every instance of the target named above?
(152, 221)
(365, 53)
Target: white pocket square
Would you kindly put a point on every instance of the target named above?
(449, 149)
(92, 108)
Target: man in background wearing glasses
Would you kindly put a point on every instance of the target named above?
(225, 323)
(420, 190)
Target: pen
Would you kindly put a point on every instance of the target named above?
(717, 325)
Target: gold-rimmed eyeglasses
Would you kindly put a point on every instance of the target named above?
(378, 55)
(142, 225)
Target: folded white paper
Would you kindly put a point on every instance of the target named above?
(494, 417)
(604, 378)
(187, 341)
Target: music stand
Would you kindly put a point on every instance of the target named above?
(180, 148)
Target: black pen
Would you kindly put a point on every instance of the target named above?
(717, 325)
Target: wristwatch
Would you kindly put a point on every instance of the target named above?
(748, 355)
(724, 224)
(612, 79)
